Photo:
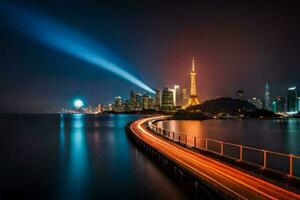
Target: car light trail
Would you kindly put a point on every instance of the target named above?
(240, 184)
(69, 41)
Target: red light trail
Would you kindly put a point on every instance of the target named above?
(238, 183)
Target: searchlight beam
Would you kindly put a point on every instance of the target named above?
(69, 41)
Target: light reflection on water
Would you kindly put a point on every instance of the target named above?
(84, 157)
(76, 177)
(62, 136)
(293, 132)
(50, 156)
(97, 160)
(276, 135)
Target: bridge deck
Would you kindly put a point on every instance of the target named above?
(236, 182)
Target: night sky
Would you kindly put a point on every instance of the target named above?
(236, 46)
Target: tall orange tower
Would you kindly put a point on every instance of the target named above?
(193, 99)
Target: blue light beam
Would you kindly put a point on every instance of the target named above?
(69, 41)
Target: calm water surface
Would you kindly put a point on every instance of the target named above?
(76, 157)
(276, 135)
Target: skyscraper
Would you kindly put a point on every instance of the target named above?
(184, 96)
(176, 95)
(132, 99)
(292, 104)
(281, 104)
(298, 104)
(167, 100)
(127, 105)
(151, 104)
(98, 109)
(139, 101)
(267, 97)
(193, 98)
(118, 104)
(274, 106)
(146, 101)
(108, 107)
(179, 100)
(157, 100)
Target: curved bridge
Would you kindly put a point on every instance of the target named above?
(237, 183)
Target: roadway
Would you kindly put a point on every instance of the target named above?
(232, 180)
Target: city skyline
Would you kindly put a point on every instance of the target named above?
(226, 59)
(174, 100)
(150, 100)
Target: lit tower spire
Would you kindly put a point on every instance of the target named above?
(193, 64)
(193, 79)
(193, 99)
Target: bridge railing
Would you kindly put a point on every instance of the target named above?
(286, 164)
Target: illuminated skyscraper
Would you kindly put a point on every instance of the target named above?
(157, 100)
(281, 104)
(292, 104)
(108, 107)
(151, 104)
(118, 104)
(193, 99)
(99, 108)
(176, 96)
(127, 105)
(184, 96)
(267, 97)
(146, 101)
(298, 104)
(139, 101)
(132, 99)
(274, 106)
(167, 99)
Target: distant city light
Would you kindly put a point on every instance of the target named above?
(292, 113)
(292, 88)
(78, 103)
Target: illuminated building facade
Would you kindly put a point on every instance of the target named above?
(157, 100)
(127, 105)
(193, 99)
(267, 97)
(274, 106)
(257, 102)
(298, 104)
(118, 104)
(292, 100)
(176, 95)
(184, 96)
(167, 99)
(132, 99)
(139, 101)
(280, 102)
(108, 107)
(151, 104)
(146, 101)
(99, 108)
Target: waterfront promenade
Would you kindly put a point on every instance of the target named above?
(226, 178)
